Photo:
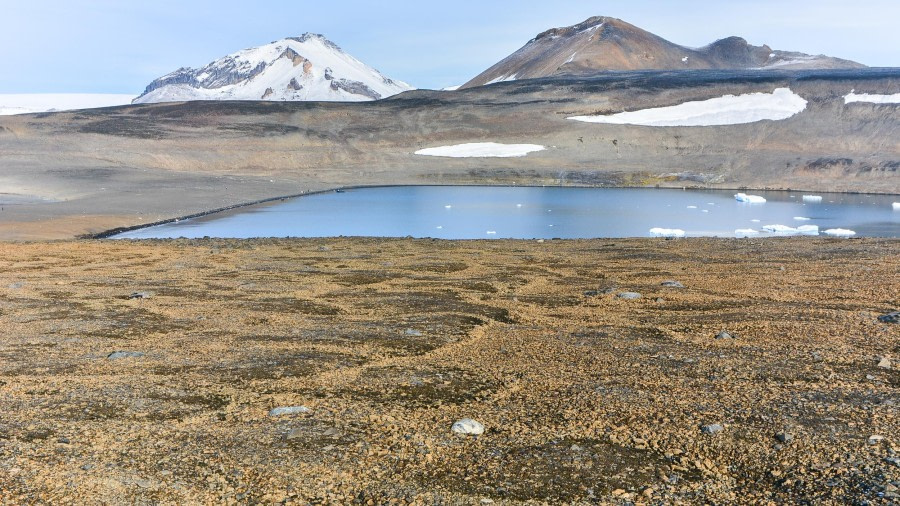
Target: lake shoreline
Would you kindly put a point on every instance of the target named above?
(120, 230)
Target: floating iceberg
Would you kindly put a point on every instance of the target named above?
(801, 218)
(667, 232)
(812, 198)
(840, 232)
(896, 206)
(745, 232)
(752, 199)
(786, 230)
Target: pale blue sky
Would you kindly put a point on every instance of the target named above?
(119, 46)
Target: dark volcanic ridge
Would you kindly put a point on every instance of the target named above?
(604, 43)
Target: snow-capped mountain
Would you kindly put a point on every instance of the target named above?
(309, 67)
(604, 43)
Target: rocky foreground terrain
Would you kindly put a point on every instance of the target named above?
(84, 172)
(147, 373)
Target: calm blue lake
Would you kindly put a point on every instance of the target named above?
(467, 212)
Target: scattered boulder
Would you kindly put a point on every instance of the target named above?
(671, 284)
(139, 295)
(712, 429)
(725, 335)
(875, 439)
(629, 295)
(289, 410)
(884, 363)
(784, 437)
(890, 317)
(116, 355)
(467, 427)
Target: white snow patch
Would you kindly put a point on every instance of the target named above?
(482, 150)
(812, 198)
(750, 199)
(872, 99)
(667, 232)
(29, 103)
(786, 230)
(571, 58)
(727, 110)
(840, 232)
(502, 79)
(745, 232)
(452, 88)
(685, 59)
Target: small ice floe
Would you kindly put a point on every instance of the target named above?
(750, 199)
(812, 198)
(692, 207)
(705, 211)
(448, 207)
(491, 232)
(896, 206)
(440, 227)
(518, 205)
(786, 230)
(667, 232)
(756, 221)
(482, 150)
(801, 218)
(840, 232)
(745, 232)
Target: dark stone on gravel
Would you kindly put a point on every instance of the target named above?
(890, 317)
(139, 295)
(784, 437)
(124, 354)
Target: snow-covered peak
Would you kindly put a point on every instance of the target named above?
(309, 67)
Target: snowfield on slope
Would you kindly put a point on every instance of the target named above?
(29, 103)
(306, 68)
(853, 97)
(726, 110)
(482, 150)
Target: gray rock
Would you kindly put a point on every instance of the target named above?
(724, 335)
(467, 427)
(629, 295)
(289, 410)
(139, 295)
(294, 434)
(712, 429)
(784, 437)
(671, 284)
(893, 460)
(413, 333)
(87, 467)
(63, 441)
(890, 317)
(116, 355)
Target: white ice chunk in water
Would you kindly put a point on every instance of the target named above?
(692, 207)
(840, 232)
(801, 218)
(896, 206)
(812, 198)
(745, 232)
(756, 221)
(726, 110)
(751, 199)
(667, 232)
(871, 98)
(482, 150)
(786, 230)
(491, 232)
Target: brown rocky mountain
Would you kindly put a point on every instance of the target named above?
(603, 43)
